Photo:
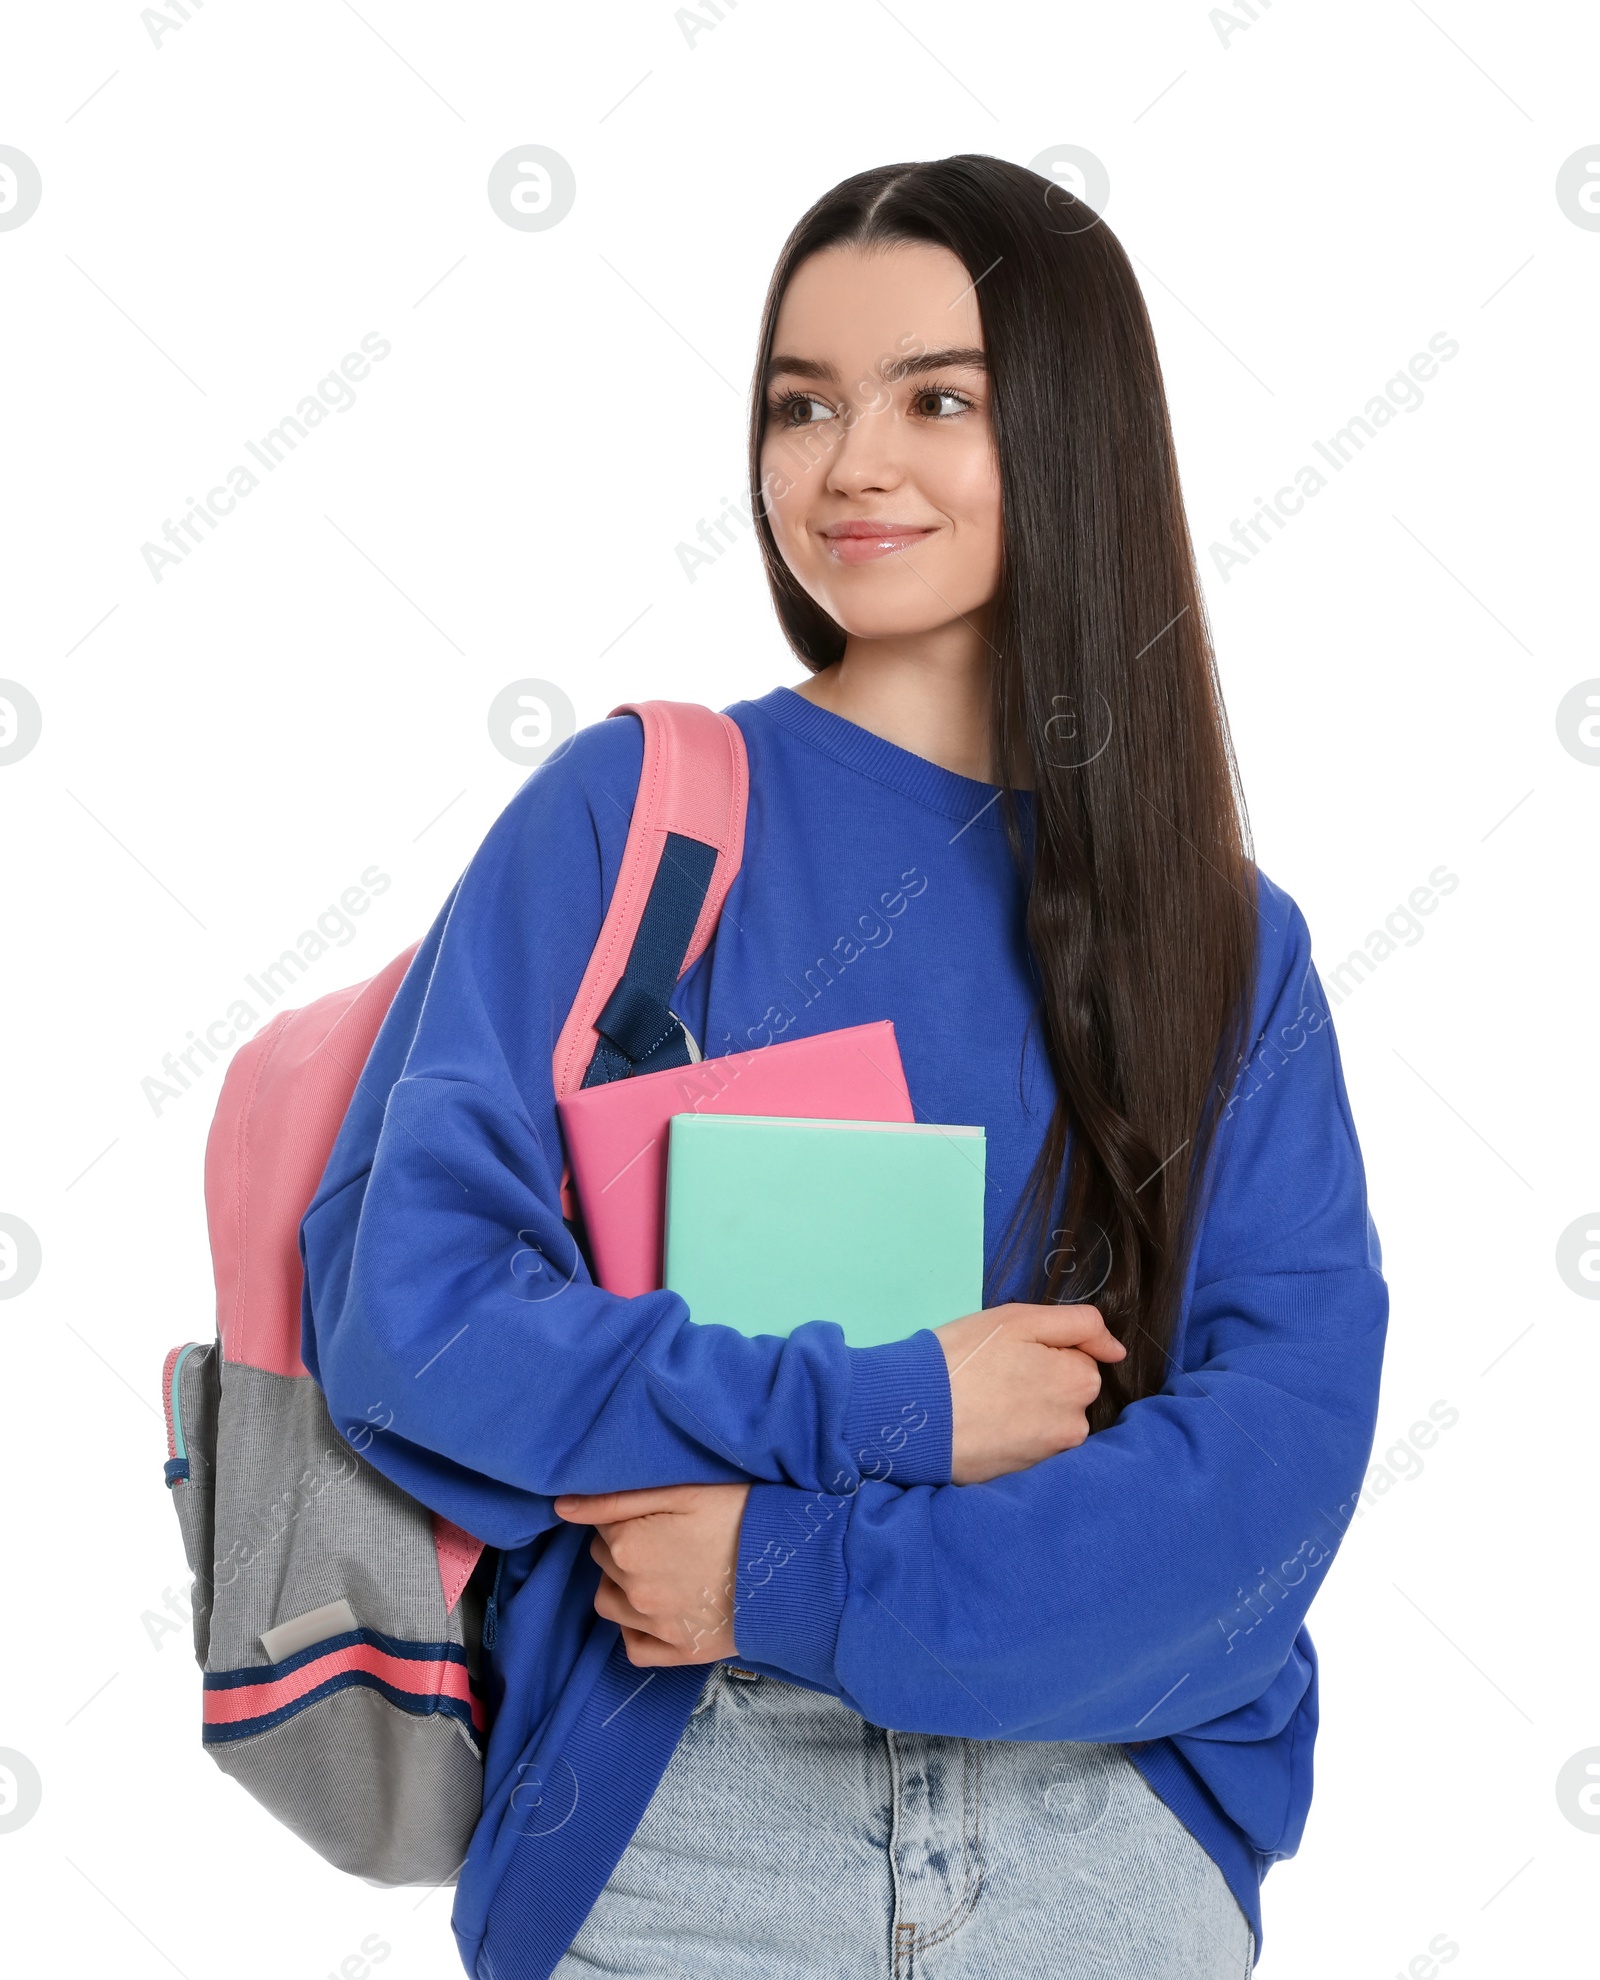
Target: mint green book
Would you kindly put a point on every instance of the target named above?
(877, 1225)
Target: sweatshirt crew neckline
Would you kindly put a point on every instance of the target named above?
(964, 799)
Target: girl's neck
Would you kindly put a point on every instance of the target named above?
(926, 695)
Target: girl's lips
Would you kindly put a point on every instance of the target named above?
(862, 542)
(863, 549)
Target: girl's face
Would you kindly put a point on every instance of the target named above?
(883, 489)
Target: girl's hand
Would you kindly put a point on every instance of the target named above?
(1021, 1382)
(668, 1556)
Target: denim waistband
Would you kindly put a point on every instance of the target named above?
(792, 1838)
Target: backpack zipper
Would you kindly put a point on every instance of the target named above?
(177, 1465)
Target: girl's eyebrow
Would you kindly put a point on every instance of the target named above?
(908, 367)
(798, 367)
(947, 360)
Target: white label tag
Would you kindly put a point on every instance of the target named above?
(300, 1632)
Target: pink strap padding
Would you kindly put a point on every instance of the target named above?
(695, 779)
(284, 1097)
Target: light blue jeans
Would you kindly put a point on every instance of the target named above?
(789, 1839)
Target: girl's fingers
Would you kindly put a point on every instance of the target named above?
(610, 1602)
(646, 1652)
(1075, 1326)
(605, 1508)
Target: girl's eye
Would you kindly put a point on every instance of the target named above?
(936, 404)
(801, 409)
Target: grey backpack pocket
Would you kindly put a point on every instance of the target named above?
(339, 1689)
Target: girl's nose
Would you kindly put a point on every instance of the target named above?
(867, 454)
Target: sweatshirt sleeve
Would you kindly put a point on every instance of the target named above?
(1153, 1580)
(448, 1315)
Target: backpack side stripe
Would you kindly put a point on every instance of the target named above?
(469, 1716)
(418, 1677)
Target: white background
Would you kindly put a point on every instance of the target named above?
(1308, 198)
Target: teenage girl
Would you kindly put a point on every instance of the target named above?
(982, 1653)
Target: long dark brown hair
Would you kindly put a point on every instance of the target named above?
(1141, 899)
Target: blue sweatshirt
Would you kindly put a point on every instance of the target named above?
(1148, 1588)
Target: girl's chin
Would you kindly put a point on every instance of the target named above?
(859, 624)
(878, 602)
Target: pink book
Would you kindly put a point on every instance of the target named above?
(616, 1135)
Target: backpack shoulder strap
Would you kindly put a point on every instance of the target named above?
(684, 847)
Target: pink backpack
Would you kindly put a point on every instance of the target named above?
(332, 1614)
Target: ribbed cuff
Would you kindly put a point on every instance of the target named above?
(897, 1424)
(792, 1580)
